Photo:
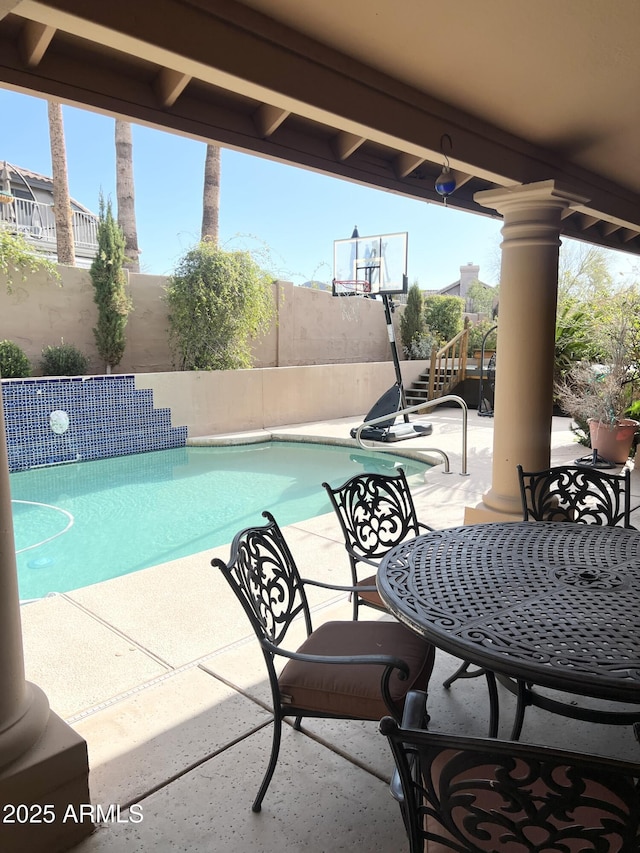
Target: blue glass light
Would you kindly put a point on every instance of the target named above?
(445, 182)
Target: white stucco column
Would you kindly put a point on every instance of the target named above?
(524, 368)
(42, 759)
(24, 708)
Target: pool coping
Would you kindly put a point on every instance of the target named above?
(264, 436)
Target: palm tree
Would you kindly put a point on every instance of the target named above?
(211, 194)
(126, 194)
(61, 201)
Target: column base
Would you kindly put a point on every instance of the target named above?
(42, 792)
(482, 513)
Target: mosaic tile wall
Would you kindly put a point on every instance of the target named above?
(67, 420)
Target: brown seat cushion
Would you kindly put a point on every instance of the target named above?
(353, 690)
(372, 597)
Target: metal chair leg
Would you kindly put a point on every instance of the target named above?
(494, 707)
(275, 750)
(521, 707)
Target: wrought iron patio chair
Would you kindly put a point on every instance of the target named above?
(376, 512)
(479, 794)
(576, 493)
(342, 670)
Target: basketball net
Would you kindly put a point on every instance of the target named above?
(349, 307)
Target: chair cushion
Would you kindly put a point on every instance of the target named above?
(373, 597)
(353, 690)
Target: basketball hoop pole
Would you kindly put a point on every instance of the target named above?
(386, 300)
(381, 267)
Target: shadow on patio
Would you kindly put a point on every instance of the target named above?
(158, 671)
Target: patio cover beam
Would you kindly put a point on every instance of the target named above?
(238, 59)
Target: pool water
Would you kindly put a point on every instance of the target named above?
(86, 522)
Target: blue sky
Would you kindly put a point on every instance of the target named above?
(289, 216)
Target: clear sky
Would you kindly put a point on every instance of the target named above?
(289, 216)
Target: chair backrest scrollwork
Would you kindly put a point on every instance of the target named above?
(375, 511)
(266, 580)
(480, 794)
(576, 493)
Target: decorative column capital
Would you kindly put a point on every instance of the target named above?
(542, 194)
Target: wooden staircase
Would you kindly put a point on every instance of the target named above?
(448, 368)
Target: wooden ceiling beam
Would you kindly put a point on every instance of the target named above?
(587, 221)
(268, 119)
(35, 38)
(345, 144)
(169, 85)
(404, 164)
(461, 178)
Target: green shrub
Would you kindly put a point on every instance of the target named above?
(412, 320)
(443, 315)
(477, 332)
(63, 360)
(109, 289)
(17, 256)
(219, 302)
(14, 363)
(421, 347)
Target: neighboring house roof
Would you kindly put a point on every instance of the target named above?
(469, 274)
(24, 180)
(28, 210)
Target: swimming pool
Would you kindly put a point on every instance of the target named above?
(86, 522)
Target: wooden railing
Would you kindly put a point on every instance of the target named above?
(448, 366)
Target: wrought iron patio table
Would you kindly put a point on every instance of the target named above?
(552, 605)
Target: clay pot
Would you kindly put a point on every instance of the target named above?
(613, 441)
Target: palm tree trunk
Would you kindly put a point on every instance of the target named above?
(126, 194)
(61, 201)
(211, 194)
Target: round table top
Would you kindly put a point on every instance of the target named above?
(557, 603)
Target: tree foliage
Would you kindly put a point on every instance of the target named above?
(109, 283)
(17, 256)
(574, 337)
(477, 332)
(602, 384)
(443, 315)
(412, 320)
(218, 301)
(584, 273)
(481, 297)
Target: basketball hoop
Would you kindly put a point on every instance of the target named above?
(355, 287)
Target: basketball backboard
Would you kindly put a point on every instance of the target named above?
(376, 264)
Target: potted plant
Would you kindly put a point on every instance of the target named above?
(598, 396)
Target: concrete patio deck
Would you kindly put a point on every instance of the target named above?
(159, 672)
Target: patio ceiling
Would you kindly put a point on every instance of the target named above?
(366, 89)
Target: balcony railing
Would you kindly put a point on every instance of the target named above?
(36, 222)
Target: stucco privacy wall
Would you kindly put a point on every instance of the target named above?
(310, 326)
(225, 401)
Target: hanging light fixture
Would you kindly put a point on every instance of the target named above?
(6, 196)
(445, 182)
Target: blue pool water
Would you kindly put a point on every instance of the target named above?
(82, 523)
